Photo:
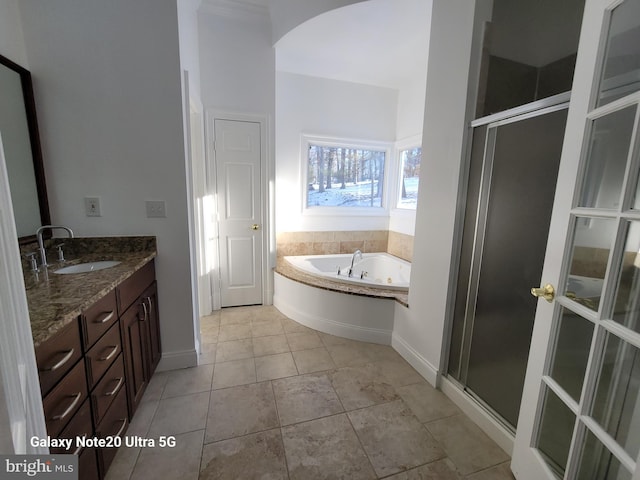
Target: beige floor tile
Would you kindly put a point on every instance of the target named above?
(123, 463)
(393, 438)
(266, 328)
(439, 470)
(304, 341)
(291, 326)
(268, 313)
(500, 472)
(181, 462)
(208, 337)
(325, 448)
(237, 411)
(271, 367)
(313, 360)
(177, 415)
(466, 445)
(330, 340)
(237, 316)
(234, 332)
(363, 386)
(305, 397)
(398, 372)
(270, 345)
(234, 350)
(141, 421)
(235, 372)
(208, 354)
(188, 380)
(427, 403)
(156, 385)
(210, 320)
(345, 355)
(257, 456)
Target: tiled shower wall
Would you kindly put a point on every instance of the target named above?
(327, 243)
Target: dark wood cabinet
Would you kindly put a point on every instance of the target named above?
(140, 331)
(94, 371)
(134, 345)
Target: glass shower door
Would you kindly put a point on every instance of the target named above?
(508, 221)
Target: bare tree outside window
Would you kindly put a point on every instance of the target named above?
(340, 176)
(410, 174)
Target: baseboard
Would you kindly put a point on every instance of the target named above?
(417, 361)
(495, 430)
(177, 360)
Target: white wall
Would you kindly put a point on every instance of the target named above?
(317, 106)
(409, 130)
(237, 64)
(107, 82)
(288, 14)
(11, 38)
(419, 329)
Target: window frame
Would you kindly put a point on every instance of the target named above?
(340, 142)
(401, 145)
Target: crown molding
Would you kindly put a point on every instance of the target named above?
(236, 9)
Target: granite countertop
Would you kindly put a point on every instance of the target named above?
(285, 269)
(56, 300)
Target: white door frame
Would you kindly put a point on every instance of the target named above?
(267, 182)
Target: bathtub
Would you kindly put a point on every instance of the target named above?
(376, 270)
(364, 314)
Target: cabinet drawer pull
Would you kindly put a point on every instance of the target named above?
(69, 409)
(62, 361)
(104, 317)
(146, 311)
(111, 354)
(115, 390)
(124, 425)
(78, 450)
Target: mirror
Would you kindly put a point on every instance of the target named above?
(21, 143)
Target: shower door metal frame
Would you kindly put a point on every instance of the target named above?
(493, 122)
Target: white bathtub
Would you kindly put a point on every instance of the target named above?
(377, 270)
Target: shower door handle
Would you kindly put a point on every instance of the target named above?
(547, 292)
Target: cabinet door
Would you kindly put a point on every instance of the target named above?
(149, 301)
(134, 348)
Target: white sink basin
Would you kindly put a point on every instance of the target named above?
(86, 267)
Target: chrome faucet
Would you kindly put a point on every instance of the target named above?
(357, 253)
(43, 253)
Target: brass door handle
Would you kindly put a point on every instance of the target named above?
(255, 226)
(547, 292)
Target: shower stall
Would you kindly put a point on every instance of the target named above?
(510, 189)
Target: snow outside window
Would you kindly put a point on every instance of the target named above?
(409, 177)
(344, 176)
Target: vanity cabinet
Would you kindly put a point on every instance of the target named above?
(138, 304)
(94, 370)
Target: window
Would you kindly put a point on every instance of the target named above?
(409, 177)
(343, 175)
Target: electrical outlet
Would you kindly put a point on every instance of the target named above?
(155, 209)
(92, 206)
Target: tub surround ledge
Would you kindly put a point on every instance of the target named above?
(285, 269)
(56, 300)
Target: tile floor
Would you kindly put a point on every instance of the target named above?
(273, 399)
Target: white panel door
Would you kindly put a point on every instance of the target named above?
(238, 173)
(580, 413)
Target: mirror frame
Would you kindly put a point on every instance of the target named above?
(34, 139)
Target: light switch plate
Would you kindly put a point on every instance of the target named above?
(92, 206)
(155, 209)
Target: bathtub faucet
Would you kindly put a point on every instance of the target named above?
(357, 253)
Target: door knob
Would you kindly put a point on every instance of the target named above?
(255, 226)
(547, 292)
